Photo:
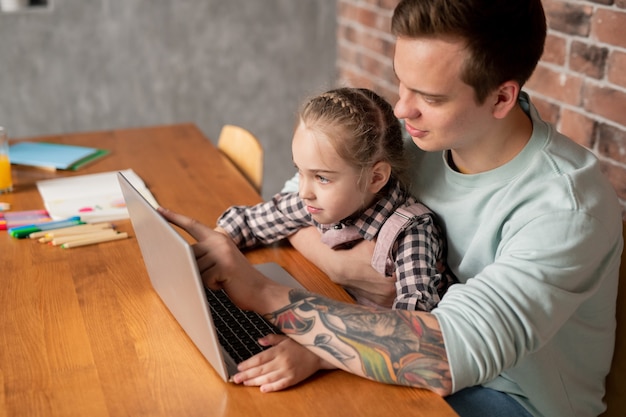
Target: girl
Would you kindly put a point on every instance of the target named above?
(348, 150)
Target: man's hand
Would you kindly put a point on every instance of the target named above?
(350, 268)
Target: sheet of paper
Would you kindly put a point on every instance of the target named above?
(94, 197)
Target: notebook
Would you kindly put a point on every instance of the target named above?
(173, 272)
(53, 155)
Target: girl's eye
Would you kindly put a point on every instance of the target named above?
(322, 180)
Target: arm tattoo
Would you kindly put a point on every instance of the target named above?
(393, 346)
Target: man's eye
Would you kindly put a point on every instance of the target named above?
(433, 100)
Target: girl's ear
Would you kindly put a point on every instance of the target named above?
(381, 171)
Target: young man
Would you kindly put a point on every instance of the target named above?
(534, 232)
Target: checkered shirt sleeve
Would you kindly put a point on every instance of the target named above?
(267, 222)
(421, 278)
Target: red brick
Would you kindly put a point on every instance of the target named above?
(385, 91)
(385, 24)
(605, 102)
(609, 26)
(372, 41)
(554, 50)
(560, 86)
(354, 79)
(577, 127)
(570, 18)
(611, 142)
(390, 75)
(370, 18)
(588, 59)
(548, 111)
(342, 32)
(347, 10)
(616, 71)
(347, 33)
(346, 53)
(388, 4)
(617, 178)
(389, 48)
(372, 66)
(390, 94)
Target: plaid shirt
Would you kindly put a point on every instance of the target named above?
(418, 254)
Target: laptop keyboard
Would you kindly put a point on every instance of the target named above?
(237, 330)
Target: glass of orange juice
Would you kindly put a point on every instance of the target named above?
(6, 183)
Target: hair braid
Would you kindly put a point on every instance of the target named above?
(361, 126)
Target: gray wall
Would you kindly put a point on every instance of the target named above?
(84, 65)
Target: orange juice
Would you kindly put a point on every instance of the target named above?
(6, 184)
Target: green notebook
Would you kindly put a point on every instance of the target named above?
(53, 155)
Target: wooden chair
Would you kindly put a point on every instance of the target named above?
(616, 381)
(245, 151)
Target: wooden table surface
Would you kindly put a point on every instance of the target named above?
(82, 333)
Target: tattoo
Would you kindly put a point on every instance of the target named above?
(393, 346)
(291, 323)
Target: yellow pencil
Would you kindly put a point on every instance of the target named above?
(95, 240)
(83, 233)
(83, 228)
(56, 241)
(70, 230)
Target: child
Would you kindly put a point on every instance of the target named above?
(348, 150)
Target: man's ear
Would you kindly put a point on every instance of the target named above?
(381, 171)
(505, 98)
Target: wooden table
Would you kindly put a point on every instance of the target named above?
(83, 333)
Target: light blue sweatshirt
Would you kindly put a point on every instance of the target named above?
(536, 245)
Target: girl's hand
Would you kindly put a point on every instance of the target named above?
(283, 365)
(222, 265)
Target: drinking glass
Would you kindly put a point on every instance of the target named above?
(6, 183)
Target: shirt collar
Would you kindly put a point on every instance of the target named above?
(372, 219)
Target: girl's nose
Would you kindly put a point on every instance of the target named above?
(304, 190)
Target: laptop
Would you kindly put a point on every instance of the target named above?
(215, 325)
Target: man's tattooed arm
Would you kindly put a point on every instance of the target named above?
(391, 346)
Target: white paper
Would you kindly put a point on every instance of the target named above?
(93, 197)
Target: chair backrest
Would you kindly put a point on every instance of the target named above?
(616, 381)
(245, 151)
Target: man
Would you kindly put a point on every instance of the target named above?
(534, 234)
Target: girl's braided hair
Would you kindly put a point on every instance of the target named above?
(362, 128)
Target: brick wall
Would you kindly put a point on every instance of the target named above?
(579, 85)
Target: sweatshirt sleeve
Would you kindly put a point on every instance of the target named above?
(267, 222)
(545, 272)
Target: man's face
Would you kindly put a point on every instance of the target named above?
(439, 109)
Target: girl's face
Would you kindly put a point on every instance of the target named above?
(329, 186)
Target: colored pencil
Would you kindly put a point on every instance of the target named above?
(72, 230)
(93, 241)
(59, 240)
